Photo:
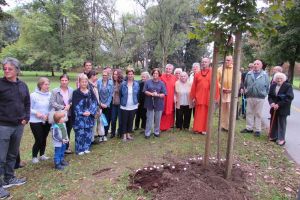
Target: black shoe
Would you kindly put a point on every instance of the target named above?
(135, 129)
(4, 193)
(246, 131)
(112, 136)
(64, 163)
(147, 137)
(59, 167)
(14, 182)
(257, 134)
(156, 135)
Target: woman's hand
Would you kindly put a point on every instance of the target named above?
(67, 107)
(86, 113)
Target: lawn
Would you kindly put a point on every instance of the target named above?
(103, 174)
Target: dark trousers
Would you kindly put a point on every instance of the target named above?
(10, 139)
(141, 115)
(183, 117)
(127, 117)
(279, 127)
(69, 129)
(40, 132)
(115, 115)
(18, 161)
(107, 113)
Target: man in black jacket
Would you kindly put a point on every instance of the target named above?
(14, 114)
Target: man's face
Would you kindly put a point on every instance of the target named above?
(10, 71)
(205, 63)
(88, 67)
(169, 69)
(257, 65)
(228, 61)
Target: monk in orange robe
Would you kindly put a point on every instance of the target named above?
(200, 94)
(167, 117)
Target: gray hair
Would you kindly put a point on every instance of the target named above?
(170, 65)
(196, 64)
(280, 75)
(14, 62)
(177, 70)
(146, 74)
(184, 73)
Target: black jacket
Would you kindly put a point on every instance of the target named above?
(14, 102)
(283, 98)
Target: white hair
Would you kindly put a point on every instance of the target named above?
(280, 75)
(177, 70)
(170, 65)
(196, 64)
(146, 74)
(184, 73)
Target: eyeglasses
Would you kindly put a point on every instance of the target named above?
(7, 69)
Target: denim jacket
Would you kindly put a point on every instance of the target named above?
(124, 93)
(105, 98)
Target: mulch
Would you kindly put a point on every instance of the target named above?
(190, 180)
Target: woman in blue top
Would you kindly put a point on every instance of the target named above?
(39, 110)
(105, 89)
(129, 103)
(84, 109)
(155, 92)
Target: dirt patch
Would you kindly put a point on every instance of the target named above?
(191, 181)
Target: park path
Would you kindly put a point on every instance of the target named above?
(293, 127)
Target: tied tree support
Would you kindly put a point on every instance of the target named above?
(233, 103)
(212, 94)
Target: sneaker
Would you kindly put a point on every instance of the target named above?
(101, 139)
(14, 182)
(35, 160)
(87, 151)
(64, 163)
(257, 134)
(156, 135)
(80, 153)
(203, 133)
(147, 137)
(246, 131)
(43, 157)
(59, 167)
(3, 193)
(129, 137)
(104, 138)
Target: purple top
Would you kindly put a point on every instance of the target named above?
(154, 103)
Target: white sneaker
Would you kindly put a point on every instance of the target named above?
(80, 153)
(87, 151)
(43, 157)
(101, 139)
(35, 160)
(104, 138)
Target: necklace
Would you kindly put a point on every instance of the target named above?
(205, 72)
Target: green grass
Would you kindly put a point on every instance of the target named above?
(260, 157)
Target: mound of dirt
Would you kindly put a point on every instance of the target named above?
(191, 181)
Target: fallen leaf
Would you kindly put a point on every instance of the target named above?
(288, 189)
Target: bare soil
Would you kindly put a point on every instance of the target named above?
(190, 180)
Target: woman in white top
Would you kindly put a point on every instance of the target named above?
(183, 102)
(39, 110)
(128, 103)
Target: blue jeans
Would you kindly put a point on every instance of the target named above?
(116, 114)
(59, 154)
(10, 138)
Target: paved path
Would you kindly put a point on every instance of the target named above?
(293, 127)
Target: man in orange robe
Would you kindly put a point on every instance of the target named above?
(167, 117)
(200, 95)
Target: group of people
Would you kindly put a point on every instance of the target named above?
(119, 103)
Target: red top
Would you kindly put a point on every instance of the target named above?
(169, 80)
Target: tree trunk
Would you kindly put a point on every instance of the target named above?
(292, 66)
(52, 71)
(233, 103)
(212, 94)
